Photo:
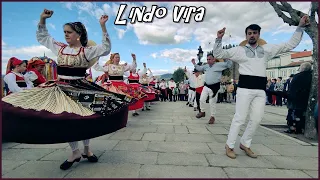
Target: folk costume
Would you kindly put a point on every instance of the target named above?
(251, 95)
(212, 76)
(153, 86)
(150, 92)
(163, 90)
(171, 86)
(115, 74)
(44, 114)
(16, 82)
(197, 82)
(136, 92)
(33, 74)
(191, 89)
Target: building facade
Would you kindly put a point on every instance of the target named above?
(286, 64)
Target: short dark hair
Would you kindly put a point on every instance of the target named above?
(210, 53)
(254, 27)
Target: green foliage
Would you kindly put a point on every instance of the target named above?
(166, 76)
(178, 75)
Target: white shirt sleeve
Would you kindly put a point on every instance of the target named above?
(188, 74)
(29, 77)
(150, 76)
(275, 49)
(91, 52)
(10, 79)
(132, 66)
(100, 49)
(144, 71)
(235, 54)
(97, 67)
(46, 40)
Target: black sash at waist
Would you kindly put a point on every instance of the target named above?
(214, 87)
(115, 77)
(21, 84)
(144, 84)
(133, 81)
(70, 71)
(252, 82)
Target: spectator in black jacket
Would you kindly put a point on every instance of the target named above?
(298, 96)
(271, 89)
(287, 86)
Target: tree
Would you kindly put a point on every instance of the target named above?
(178, 75)
(312, 31)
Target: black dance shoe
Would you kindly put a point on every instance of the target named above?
(66, 165)
(92, 158)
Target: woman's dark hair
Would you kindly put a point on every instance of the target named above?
(25, 61)
(254, 27)
(79, 28)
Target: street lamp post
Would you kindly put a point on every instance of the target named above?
(200, 54)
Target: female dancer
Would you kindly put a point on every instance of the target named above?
(115, 71)
(14, 79)
(145, 80)
(136, 91)
(34, 69)
(63, 96)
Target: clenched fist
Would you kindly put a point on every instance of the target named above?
(221, 32)
(46, 14)
(103, 19)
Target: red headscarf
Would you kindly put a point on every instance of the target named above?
(35, 62)
(32, 64)
(12, 63)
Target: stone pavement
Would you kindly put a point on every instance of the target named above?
(169, 142)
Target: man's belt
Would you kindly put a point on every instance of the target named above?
(214, 87)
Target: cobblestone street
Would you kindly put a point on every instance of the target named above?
(170, 142)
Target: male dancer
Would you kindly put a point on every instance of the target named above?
(171, 85)
(213, 72)
(197, 81)
(191, 89)
(252, 81)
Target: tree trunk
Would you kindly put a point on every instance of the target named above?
(312, 31)
(310, 128)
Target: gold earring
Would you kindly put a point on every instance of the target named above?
(78, 39)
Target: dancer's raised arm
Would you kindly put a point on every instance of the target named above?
(100, 49)
(198, 67)
(232, 54)
(275, 49)
(188, 74)
(75, 32)
(133, 65)
(44, 37)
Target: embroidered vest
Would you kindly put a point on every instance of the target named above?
(20, 82)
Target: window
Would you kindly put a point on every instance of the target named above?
(284, 73)
(271, 75)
